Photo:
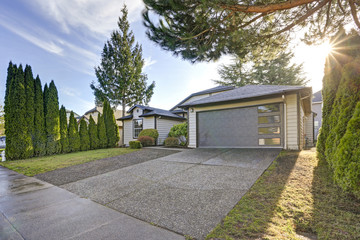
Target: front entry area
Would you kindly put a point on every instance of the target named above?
(256, 126)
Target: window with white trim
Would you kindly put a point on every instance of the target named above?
(137, 127)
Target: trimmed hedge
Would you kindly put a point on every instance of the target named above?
(135, 144)
(146, 141)
(150, 132)
(171, 142)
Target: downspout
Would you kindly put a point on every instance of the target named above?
(285, 120)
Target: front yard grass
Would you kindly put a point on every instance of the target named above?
(294, 199)
(36, 165)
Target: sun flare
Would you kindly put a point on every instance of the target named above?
(325, 49)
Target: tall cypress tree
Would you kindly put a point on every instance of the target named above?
(63, 131)
(52, 120)
(39, 140)
(101, 132)
(8, 109)
(20, 140)
(84, 136)
(74, 138)
(93, 135)
(29, 104)
(112, 132)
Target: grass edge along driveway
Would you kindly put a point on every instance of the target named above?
(37, 165)
(295, 198)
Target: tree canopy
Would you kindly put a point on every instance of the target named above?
(204, 30)
(278, 71)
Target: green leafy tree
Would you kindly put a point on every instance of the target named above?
(84, 136)
(205, 30)
(103, 142)
(278, 71)
(112, 131)
(19, 146)
(120, 78)
(64, 131)
(52, 120)
(29, 105)
(74, 137)
(93, 134)
(39, 140)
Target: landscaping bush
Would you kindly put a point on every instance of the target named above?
(146, 141)
(171, 142)
(135, 144)
(150, 132)
(178, 130)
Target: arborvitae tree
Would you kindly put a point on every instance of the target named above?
(64, 131)
(29, 104)
(93, 134)
(45, 95)
(112, 132)
(84, 136)
(52, 121)
(20, 144)
(9, 110)
(39, 140)
(74, 138)
(119, 75)
(101, 132)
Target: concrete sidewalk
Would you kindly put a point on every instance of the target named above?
(33, 209)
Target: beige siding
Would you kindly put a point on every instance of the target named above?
(192, 115)
(127, 131)
(292, 122)
(148, 122)
(137, 112)
(309, 130)
(302, 128)
(163, 127)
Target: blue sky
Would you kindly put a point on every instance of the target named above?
(62, 41)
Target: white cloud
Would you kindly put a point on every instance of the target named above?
(47, 45)
(93, 16)
(71, 92)
(148, 62)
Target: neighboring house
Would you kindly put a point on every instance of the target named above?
(2, 141)
(317, 108)
(77, 116)
(143, 117)
(251, 116)
(94, 112)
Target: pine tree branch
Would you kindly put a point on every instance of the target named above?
(354, 13)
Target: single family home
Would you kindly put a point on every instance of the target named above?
(253, 116)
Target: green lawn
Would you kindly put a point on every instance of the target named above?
(294, 199)
(33, 166)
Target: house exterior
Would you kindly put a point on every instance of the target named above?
(94, 112)
(317, 109)
(252, 116)
(143, 117)
(68, 112)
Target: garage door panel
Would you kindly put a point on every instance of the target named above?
(239, 127)
(228, 128)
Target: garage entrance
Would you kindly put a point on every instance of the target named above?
(257, 126)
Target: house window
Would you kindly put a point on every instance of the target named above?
(138, 127)
(269, 141)
(316, 123)
(269, 130)
(269, 119)
(269, 108)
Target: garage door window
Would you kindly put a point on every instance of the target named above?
(269, 130)
(269, 119)
(269, 108)
(269, 141)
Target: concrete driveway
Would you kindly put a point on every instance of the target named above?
(187, 192)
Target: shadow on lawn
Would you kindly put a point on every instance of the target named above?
(252, 216)
(336, 214)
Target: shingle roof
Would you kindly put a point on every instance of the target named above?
(125, 117)
(91, 110)
(152, 112)
(249, 91)
(317, 97)
(211, 90)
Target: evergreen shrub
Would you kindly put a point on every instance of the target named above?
(150, 132)
(171, 142)
(135, 144)
(146, 141)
